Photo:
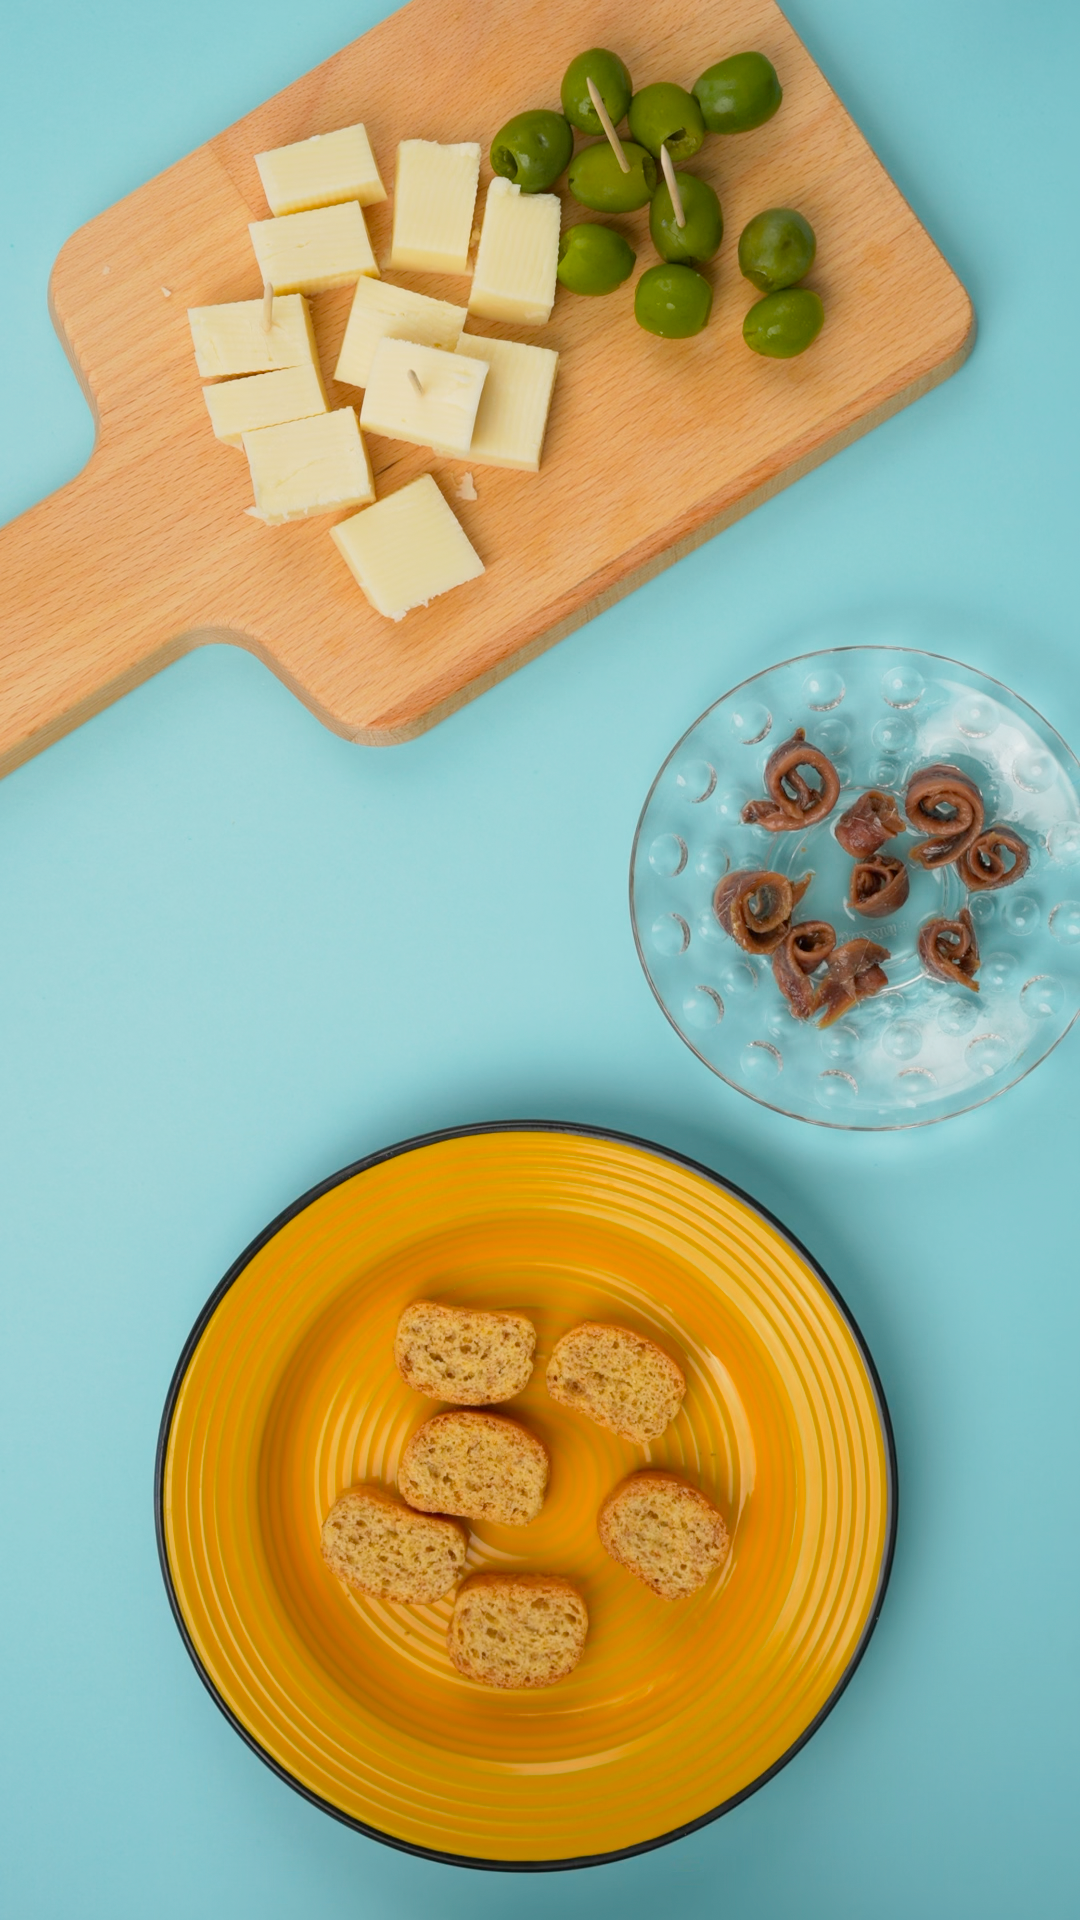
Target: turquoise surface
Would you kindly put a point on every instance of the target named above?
(236, 953)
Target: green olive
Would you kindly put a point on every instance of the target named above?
(776, 249)
(612, 83)
(784, 323)
(674, 302)
(533, 149)
(738, 94)
(594, 259)
(700, 238)
(666, 116)
(597, 181)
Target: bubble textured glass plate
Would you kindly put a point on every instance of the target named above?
(921, 1049)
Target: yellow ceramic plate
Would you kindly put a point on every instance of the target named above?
(287, 1393)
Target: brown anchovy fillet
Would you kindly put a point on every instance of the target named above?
(792, 801)
(756, 906)
(805, 947)
(951, 831)
(981, 867)
(949, 950)
(878, 886)
(854, 974)
(868, 824)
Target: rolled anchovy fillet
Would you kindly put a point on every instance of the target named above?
(942, 802)
(868, 824)
(981, 867)
(792, 801)
(949, 950)
(756, 906)
(804, 948)
(878, 886)
(853, 973)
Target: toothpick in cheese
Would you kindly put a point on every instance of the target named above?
(442, 415)
(384, 312)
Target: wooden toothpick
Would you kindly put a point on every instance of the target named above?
(604, 118)
(268, 306)
(672, 186)
(415, 378)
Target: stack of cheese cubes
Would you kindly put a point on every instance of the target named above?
(425, 380)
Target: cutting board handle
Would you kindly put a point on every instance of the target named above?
(86, 612)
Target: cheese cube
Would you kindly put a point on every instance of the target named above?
(309, 466)
(441, 415)
(308, 252)
(407, 548)
(381, 312)
(231, 339)
(518, 255)
(434, 200)
(513, 410)
(320, 172)
(237, 407)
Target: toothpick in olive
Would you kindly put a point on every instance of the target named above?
(612, 83)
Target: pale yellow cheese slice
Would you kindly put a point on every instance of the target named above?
(231, 338)
(320, 172)
(441, 415)
(512, 416)
(382, 312)
(518, 255)
(309, 466)
(407, 548)
(237, 407)
(308, 252)
(434, 200)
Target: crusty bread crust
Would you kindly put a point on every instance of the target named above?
(480, 1465)
(378, 1546)
(461, 1354)
(517, 1629)
(664, 1531)
(617, 1378)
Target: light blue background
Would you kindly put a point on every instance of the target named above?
(236, 953)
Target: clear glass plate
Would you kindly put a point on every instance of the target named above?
(920, 1050)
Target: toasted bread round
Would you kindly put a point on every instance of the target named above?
(664, 1531)
(517, 1629)
(481, 1465)
(471, 1358)
(378, 1546)
(618, 1378)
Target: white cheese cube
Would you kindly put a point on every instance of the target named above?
(518, 255)
(434, 199)
(513, 410)
(407, 548)
(231, 339)
(320, 172)
(439, 412)
(381, 312)
(237, 407)
(309, 466)
(308, 252)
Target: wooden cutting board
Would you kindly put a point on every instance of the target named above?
(653, 445)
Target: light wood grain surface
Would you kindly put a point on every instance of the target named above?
(653, 445)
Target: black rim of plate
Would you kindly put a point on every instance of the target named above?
(234, 1272)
